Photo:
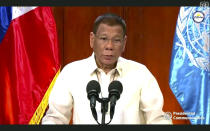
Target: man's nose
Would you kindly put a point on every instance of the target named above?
(109, 44)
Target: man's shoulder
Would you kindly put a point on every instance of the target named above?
(131, 63)
(134, 67)
(77, 64)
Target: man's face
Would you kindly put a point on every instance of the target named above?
(108, 44)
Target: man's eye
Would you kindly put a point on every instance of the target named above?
(103, 38)
(117, 40)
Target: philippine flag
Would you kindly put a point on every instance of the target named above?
(29, 63)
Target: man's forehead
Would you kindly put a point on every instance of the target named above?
(103, 28)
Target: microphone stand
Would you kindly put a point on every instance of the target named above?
(104, 108)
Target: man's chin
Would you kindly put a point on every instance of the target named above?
(109, 63)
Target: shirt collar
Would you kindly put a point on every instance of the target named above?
(93, 66)
(119, 66)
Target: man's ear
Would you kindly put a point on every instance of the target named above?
(91, 39)
(124, 43)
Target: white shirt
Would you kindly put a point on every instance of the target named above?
(140, 102)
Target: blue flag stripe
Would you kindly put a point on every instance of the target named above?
(5, 19)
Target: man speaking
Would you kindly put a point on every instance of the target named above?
(135, 99)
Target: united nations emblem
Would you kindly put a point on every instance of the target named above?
(193, 33)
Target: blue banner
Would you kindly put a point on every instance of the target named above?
(189, 77)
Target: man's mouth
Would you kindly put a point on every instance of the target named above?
(108, 57)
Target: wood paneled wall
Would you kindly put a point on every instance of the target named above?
(150, 32)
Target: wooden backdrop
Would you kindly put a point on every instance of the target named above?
(150, 32)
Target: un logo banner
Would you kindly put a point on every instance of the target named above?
(190, 69)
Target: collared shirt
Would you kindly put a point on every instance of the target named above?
(140, 102)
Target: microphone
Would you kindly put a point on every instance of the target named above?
(93, 89)
(115, 89)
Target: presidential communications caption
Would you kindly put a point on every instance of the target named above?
(179, 115)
